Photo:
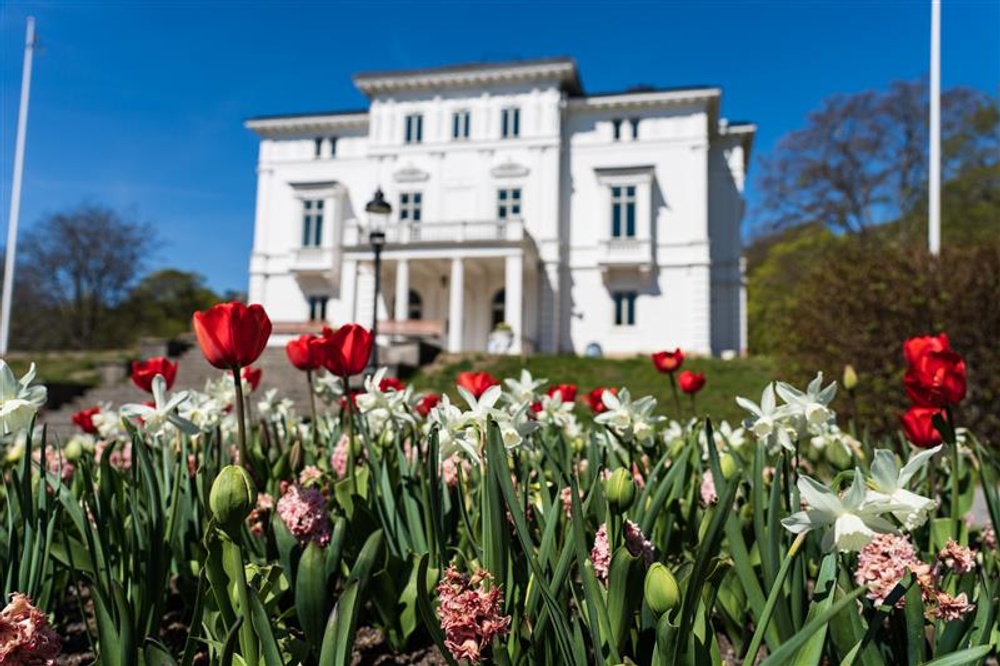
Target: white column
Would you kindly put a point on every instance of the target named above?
(456, 306)
(513, 298)
(402, 290)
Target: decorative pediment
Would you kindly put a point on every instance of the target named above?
(509, 170)
(410, 174)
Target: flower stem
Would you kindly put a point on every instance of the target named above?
(772, 600)
(241, 421)
(677, 398)
(312, 408)
(956, 515)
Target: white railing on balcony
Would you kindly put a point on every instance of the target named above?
(312, 259)
(488, 231)
(626, 252)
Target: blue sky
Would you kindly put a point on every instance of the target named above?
(140, 105)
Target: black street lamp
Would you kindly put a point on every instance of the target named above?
(378, 210)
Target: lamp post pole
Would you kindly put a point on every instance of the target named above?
(378, 210)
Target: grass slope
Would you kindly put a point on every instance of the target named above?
(725, 379)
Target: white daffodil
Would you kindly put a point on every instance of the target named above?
(553, 411)
(851, 522)
(165, 410)
(271, 408)
(328, 387)
(523, 390)
(108, 422)
(19, 401)
(627, 419)
(811, 409)
(383, 408)
(767, 422)
(888, 483)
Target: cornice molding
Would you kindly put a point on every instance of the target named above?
(410, 174)
(307, 124)
(375, 84)
(644, 100)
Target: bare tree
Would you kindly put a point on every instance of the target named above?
(82, 263)
(862, 159)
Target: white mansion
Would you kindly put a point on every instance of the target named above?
(518, 200)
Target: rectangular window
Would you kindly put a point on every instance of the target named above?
(312, 222)
(624, 307)
(410, 204)
(414, 128)
(460, 125)
(319, 146)
(509, 203)
(623, 212)
(333, 146)
(511, 123)
(317, 308)
(635, 128)
(617, 125)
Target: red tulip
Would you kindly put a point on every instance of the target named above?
(691, 382)
(936, 379)
(567, 392)
(232, 335)
(595, 399)
(84, 419)
(916, 348)
(476, 383)
(347, 350)
(918, 425)
(668, 362)
(143, 372)
(426, 404)
(252, 376)
(391, 384)
(306, 352)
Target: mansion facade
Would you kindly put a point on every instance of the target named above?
(520, 204)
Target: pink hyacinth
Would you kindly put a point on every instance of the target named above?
(25, 635)
(989, 538)
(121, 456)
(957, 558)
(884, 561)
(309, 474)
(600, 554)
(566, 495)
(952, 608)
(304, 512)
(471, 613)
(708, 495)
(637, 543)
(340, 456)
(255, 520)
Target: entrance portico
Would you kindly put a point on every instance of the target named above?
(454, 291)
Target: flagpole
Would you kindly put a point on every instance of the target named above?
(15, 195)
(934, 172)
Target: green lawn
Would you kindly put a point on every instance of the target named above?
(71, 367)
(725, 379)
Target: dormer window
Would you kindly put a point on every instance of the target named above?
(414, 128)
(510, 127)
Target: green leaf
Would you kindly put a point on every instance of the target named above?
(625, 592)
(826, 586)
(155, 654)
(963, 657)
(785, 652)
(311, 594)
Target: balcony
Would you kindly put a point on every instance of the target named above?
(636, 253)
(315, 266)
(488, 232)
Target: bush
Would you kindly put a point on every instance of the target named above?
(860, 296)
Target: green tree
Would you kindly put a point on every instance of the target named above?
(162, 303)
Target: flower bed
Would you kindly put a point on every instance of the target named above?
(525, 522)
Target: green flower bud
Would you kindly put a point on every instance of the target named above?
(661, 590)
(728, 465)
(232, 498)
(73, 450)
(850, 377)
(620, 490)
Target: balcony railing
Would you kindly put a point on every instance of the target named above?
(412, 233)
(312, 259)
(626, 252)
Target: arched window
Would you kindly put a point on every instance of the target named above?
(415, 306)
(497, 307)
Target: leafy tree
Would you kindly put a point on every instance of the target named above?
(81, 264)
(861, 160)
(161, 303)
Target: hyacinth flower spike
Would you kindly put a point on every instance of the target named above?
(888, 483)
(849, 520)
